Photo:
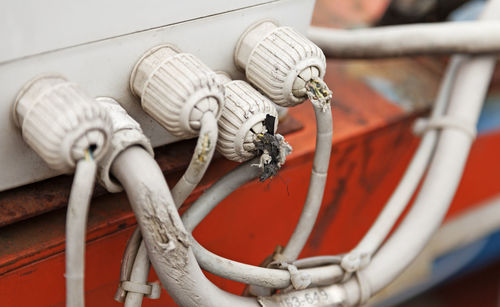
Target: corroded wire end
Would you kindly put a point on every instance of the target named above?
(319, 93)
(273, 150)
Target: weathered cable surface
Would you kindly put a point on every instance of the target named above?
(164, 234)
(271, 148)
(276, 148)
(200, 160)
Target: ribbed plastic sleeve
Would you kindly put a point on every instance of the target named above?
(59, 121)
(280, 62)
(176, 89)
(242, 118)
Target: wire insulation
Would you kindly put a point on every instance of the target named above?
(76, 226)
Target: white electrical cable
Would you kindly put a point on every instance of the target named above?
(164, 234)
(259, 276)
(250, 274)
(128, 259)
(410, 180)
(294, 248)
(200, 160)
(76, 227)
(466, 99)
(218, 191)
(432, 202)
(316, 185)
(202, 156)
(405, 40)
(442, 179)
(272, 278)
(317, 261)
(415, 171)
(441, 182)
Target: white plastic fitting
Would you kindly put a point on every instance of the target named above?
(279, 61)
(176, 89)
(60, 122)
(126, 133)
(242, 119)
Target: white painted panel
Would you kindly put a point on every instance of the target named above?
(30, 27)
(102, 68)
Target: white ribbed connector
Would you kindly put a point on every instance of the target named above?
(279, 61)
(176, 89)
(126, 133)
(60, 122)
(242, 120)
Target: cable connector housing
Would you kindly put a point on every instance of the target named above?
(126, 133)
(242, 120)
(60, 122)
(176, 89)
(279, 61)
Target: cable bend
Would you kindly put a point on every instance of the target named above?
(259, 276)
(200, 160)
(164, 234)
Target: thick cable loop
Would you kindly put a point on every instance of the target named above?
(241, 272)
(202, 155)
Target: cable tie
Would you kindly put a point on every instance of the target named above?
(299, 280)
(422, 125)
(150, 290)
(354, 261)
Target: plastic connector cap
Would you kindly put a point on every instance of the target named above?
(242, 120)
(126, 133)
(60, 122)
(176, 89)
(279, 61)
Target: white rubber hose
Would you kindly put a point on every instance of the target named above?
(414, 172)
(432, 203)
(407, 40)
(164, 234)
(76, 229)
